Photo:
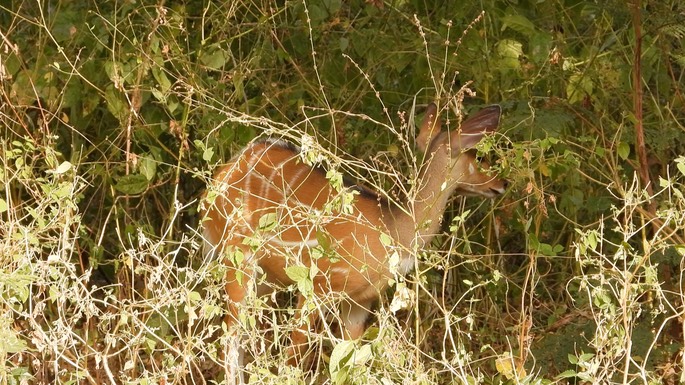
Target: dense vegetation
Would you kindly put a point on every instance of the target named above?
(115, 114)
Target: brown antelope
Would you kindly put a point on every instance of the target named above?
(269, 180)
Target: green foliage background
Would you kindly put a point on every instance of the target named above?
(114, 115)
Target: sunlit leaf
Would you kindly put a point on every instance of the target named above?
(63, 167)
(268, 222)
(340, 359)
(510, 367)
(680, 164)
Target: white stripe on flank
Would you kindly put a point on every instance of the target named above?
(208, 246)
(254, 158)
(344, 271)
(295, 178)
(304, 243)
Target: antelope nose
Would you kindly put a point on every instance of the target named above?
(500, 189)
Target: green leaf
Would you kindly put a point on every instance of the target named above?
(131, 184)
(148, 167)
(158, 95)
(10, 342)
(297, 273)
(333, 6)
(317, 14)
(267, 222)
(213, 58)
(539, 46)
(194, 297)
(680, 249)
(579, 86)
(518, 23)
(363, 354)
(207, 154)
(115, 103)
(567, 374)
(63, 191)
(509, 51)
(236, 256)
(324, 240)
(344, 43)
(300, 275)
(163, 81)
(335, 178)
(592, 240)
(386, 240)
(600, 151)
(623, 150)
(3, 205)
(585, 357)
(23, 88)
(340, 360)
(62, 168)
(543, 248)
(663, 183)
(680, 164)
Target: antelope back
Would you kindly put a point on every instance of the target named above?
(268, 198)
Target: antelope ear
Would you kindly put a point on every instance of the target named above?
(473, 129)
(429, 129)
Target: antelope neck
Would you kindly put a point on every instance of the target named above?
(416, 223)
